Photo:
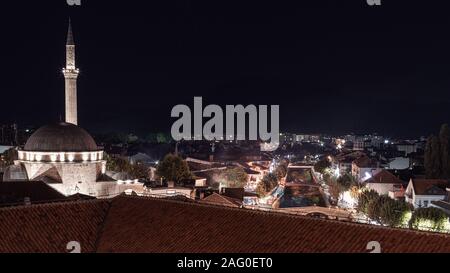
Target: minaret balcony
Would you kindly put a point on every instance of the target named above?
(71, 70)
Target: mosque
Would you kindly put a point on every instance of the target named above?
(64, 155)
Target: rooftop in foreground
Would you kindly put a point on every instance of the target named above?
(136, 224)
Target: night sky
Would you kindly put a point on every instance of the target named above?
(332, 66)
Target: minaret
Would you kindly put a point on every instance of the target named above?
(71, 75)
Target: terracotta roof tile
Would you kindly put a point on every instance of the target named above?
(384, 177)
(366, 162)
(221, 200)
(49, 228)
(137, 224)
(12, 193)
(147, 225)
(430, 186)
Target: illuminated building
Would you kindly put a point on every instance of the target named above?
(64, 155)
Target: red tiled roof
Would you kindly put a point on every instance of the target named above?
(365, 162)
(221, 200)
(13, 193)
(384, 177)
(430, 186)
(137, 224)
(147, 225)
(49, 228)
(445, 205)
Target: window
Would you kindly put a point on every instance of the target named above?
(425, 203)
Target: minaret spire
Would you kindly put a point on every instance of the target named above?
(71, 75)
(70, 34)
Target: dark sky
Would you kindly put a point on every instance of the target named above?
(332, 66)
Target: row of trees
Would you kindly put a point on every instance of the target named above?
(383, 209)
(137, 171)
(336, 185)
(268, 183)
(271, 180)
(322, 166)
(437, 154)
(339, 185)
(234, 177)
(432, 219)
(397, 213)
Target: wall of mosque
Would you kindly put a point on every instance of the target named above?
(74, 177)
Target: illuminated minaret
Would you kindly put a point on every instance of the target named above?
(71, 75)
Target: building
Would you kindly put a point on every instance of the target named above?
(359, 144)
(64, 155)
(444, 204)
(422, 192)
(364, 167)
(343, 161)
(407, 147)
(385, 183)
(170, 189)
(287, 138)
(28, 193)
(306, 138)
(399, 163)
(128, 224)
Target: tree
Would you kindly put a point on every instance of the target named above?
(268, 183)
(117, 164)
(347, 181)
(374, 207)
(281, 170)
(173, 168)
(437, 154)
(433, 158)
(364, 200)
(334, 188)
(322, 166)
(234, 177)
(9, 156)
(395, 213)
(162, 138)
(430, 219)
(383, 209)
(444, 137)
(139, 171)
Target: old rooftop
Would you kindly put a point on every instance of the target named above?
(384, 177)
(14, 193)
(137, 224)
(430, 186)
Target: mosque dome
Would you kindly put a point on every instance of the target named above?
(61, 137)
